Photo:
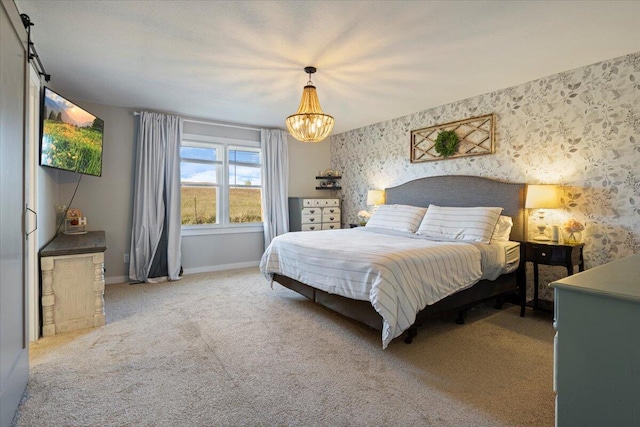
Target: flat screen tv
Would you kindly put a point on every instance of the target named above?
(71, 137)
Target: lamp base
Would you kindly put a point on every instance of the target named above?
(542, 237)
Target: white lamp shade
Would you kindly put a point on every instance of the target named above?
(375, 197)
(543, 196)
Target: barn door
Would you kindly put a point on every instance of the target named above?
(14, 351)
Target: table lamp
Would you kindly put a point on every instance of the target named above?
(541, 197)
(375, 198)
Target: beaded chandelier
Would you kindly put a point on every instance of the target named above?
(309, 123)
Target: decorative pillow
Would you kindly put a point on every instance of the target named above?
(503, 229)
(469, 224)
(397, 217)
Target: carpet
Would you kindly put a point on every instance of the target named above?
(224, 349)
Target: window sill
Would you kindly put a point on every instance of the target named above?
(203, 230)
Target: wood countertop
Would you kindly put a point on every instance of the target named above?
(73, 244)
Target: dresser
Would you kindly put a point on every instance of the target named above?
(72, 268)
(597, 346)
(313, 214)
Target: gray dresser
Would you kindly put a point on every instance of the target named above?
(314, 213)
(597, 346)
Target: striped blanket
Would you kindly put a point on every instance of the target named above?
(399, 274)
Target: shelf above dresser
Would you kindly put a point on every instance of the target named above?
(330, 182)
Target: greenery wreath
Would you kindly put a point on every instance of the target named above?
(446, 143)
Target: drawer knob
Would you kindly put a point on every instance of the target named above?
(313, 219)
(544, 254)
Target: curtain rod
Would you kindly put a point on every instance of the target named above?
(227, 125)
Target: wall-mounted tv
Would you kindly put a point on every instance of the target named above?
(71, 137)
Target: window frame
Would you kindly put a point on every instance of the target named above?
(224, 226)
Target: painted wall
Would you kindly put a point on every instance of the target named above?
(47, 199)
(222, 250)
(107, 201)
(579, 128)
(306, 160)
(229, 250)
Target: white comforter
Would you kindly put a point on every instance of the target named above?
(398, 273)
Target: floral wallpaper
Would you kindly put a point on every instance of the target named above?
(579, 129)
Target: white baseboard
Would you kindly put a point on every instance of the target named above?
(210, 268)
(206, 269)
(116, 279)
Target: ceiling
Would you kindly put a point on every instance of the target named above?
(242, 61)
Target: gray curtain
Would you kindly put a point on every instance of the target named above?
(275, 183)
(156, 234)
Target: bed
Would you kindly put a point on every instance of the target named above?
(435, 295)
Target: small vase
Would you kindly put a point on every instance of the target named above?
(573, 237)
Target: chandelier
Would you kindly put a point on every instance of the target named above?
(309, 123)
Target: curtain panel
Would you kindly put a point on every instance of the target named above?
(275, 183)
(156, 233)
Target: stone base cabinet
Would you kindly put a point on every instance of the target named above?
(72, 268)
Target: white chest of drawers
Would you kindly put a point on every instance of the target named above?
(313, 214)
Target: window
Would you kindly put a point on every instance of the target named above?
(221, 182)
(245, 185)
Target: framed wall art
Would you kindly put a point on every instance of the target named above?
(469, 137)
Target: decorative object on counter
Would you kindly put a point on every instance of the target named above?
(475, 136)
(375, 198)
(309, 123)
(541, 197)
(74, 213)
(75, 223)
(363, 217)
(572, 231)
(60, 215)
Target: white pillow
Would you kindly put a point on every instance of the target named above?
(397, 217)
(503, 229)
(469, 224)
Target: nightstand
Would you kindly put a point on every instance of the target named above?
(551, 253)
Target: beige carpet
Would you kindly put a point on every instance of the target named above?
(223, 349)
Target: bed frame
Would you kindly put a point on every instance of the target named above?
(452, 190)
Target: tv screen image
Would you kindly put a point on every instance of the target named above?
(71, 137)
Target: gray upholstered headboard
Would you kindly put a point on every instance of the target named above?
(465, 191)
